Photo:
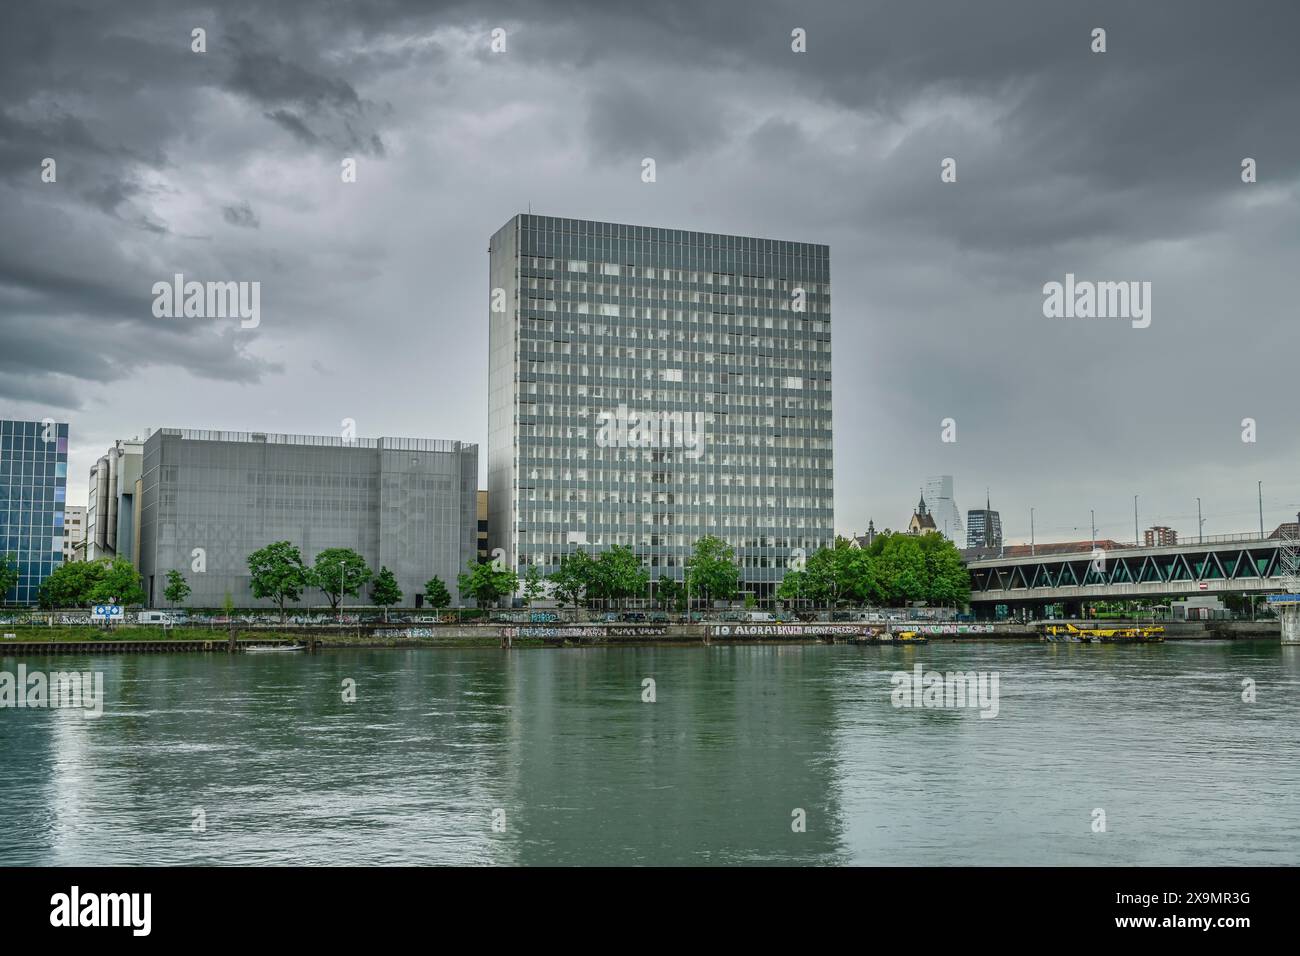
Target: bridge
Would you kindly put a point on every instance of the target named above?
(1054, 574)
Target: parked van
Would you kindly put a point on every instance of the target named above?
(165, 618)
(760, 617)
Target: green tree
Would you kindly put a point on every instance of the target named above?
(177, 589)
(8, 574)
(711, 570)
(947, 579)
(856, 571)
(573, 578)
(533, 584)
(118, 582)
(82, 583)
(618, 574)
(277, 572)
(436, 593)
(487, 582)
(385, 591)
(70, 584)
(901, 570)
(793, 586)
(339, 571)
(670, 593)
(822, 576)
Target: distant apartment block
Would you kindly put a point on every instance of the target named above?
(404, 503)
(33, 488)
(1159, 536)
(74, 532)
(650, 386)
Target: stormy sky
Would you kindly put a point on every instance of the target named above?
(1115, 166)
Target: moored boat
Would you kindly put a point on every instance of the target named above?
(1069, 634)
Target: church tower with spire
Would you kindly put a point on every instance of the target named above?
(922, 522)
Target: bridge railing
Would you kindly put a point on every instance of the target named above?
(1046, 550)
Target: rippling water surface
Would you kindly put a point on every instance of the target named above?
(560, 744)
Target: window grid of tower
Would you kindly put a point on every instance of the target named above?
(596, 320)
(33, 488)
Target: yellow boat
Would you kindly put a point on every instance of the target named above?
(1141, 634)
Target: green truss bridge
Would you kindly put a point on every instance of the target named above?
(1222, 564)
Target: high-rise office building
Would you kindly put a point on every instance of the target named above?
(943, 507)
(407, 504)
(33, 488)
(650, 386)
(983, 528)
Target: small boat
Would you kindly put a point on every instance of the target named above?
(909, 638)
(274, 648)
(1151, 634)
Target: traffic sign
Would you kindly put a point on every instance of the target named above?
(107, 612)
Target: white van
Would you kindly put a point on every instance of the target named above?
(165, 618)
(760, 617)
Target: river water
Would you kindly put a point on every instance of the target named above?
(747, 755)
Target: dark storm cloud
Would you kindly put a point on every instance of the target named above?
(240, 214)
(1121, 165)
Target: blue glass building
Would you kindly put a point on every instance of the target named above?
(33, 486)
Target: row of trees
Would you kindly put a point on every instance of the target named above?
(896, 569)
(278, 572)
(611, 577)
(81, 583)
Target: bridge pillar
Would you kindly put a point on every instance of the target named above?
(1289, 613)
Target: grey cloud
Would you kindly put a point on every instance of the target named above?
(1119, 165)
(240, 214)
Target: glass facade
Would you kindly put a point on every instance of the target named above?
(983, 529)
(405, 504)
(33, 486)
(649, 386)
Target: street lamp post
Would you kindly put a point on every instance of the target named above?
(1200, 523)
(342, 565)
(1031, 532)
(1093, 513)
(1260, 485)
(1137, 539)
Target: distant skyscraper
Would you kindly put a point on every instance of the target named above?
(943, 507)
(647, 387)
(33, 486)
(983, 528)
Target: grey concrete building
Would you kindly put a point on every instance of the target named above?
(112, 525)
(649, 386)
(407, 504)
